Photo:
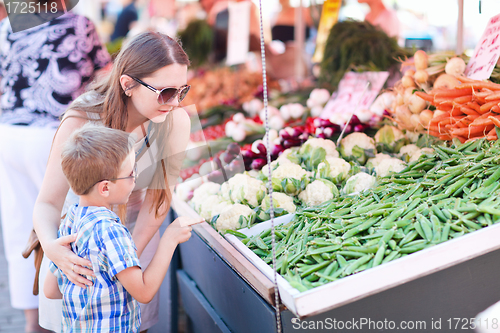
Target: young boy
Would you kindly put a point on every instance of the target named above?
(99, 164)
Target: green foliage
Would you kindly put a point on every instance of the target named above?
(197, 41)
(353, 44)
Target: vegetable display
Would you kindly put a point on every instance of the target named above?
(440, 196)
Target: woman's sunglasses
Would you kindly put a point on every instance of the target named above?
(166, 95)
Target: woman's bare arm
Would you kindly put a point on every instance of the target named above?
(48, 206)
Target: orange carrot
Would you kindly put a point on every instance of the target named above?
(469, 111)
(493, 96)
(468, 131)
(495, 109)
(495, 120)
(456, 112)
(461, 138)
(452, 93)
(482, 122)
(479, 85)
(425, 97)
(463, 99)
(474, 105)
(445, 137)
(487, 106)
(493, 131)
(464, 79)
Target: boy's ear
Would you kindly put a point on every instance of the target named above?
(103, 188)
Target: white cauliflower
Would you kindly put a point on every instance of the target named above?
(361, 141)
(356, 139)
(235, 217)
(280, 200)
(316, 193)
(375, 161)
(288, 156)
(415, 156)
(289, 178)
(409, 150)
(185, 189)
(204, 191)
(328, 145)
(358, 183)
(212, 206)
(336, 169)
(245, 189)
(389, 165)
(289, 170)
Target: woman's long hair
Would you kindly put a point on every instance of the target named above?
(141, 57)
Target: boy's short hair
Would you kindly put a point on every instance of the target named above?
(93, 153)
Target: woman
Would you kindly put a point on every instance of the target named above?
(141, 96)
(42, 70)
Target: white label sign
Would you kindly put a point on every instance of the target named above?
(238, 36)
(350, 91)
(487, 51)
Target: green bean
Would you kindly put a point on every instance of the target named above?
(393, 255)
(359, 262)
(314, 268)
(379, 256)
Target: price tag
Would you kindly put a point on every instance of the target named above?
(238, 35)
(487, 51)
(350, 91)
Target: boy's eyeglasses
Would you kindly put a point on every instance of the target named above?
(166, 95)
(133, 175)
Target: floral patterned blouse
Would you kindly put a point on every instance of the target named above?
(46, 67)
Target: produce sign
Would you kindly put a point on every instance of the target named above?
(440, 196)
(468, 111)
(486, 53)
(350, 92)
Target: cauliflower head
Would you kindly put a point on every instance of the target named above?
(334, 168)
(388, 166)
(328, 145)
(413, 153)
(318, 192)
(289, 170)
(375, 161)
(354, 146)
(289, 178)
(235, 217)
(358, 183)
(244, 189)
(213, 206)
(280, 200)
(204, 191)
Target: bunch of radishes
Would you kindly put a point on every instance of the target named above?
(409, 110)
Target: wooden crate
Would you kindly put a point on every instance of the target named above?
(349, 290)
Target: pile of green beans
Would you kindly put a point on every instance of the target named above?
(439, 197)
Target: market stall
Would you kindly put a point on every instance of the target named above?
(379, 217)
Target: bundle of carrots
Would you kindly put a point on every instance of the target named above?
(469, 111)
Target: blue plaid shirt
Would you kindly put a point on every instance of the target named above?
(106, 306)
